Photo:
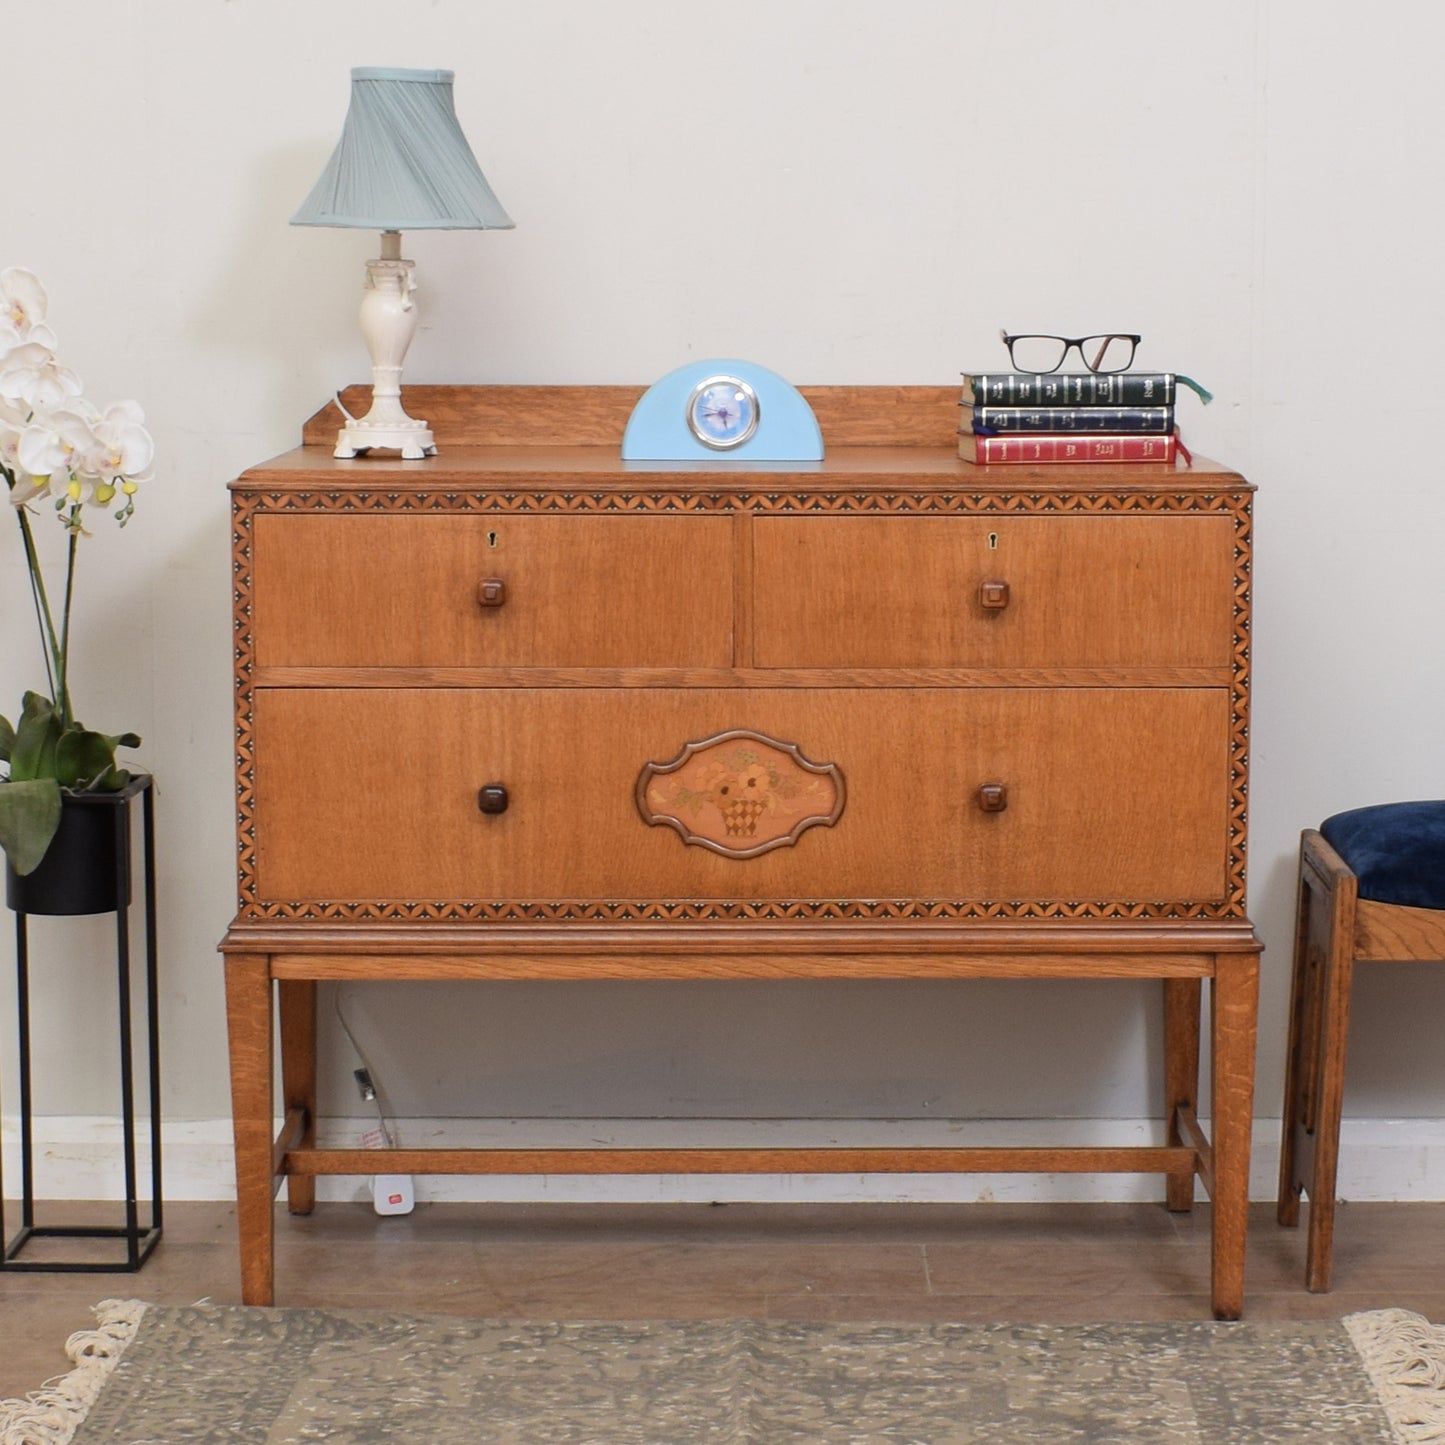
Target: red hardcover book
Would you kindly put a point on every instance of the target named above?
(1051, 447)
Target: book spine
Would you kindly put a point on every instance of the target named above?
(988, 450)
(1158, 420)
(1069, 388)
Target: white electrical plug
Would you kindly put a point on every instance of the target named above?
(392, 1194)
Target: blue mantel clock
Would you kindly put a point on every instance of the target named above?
(721, 410)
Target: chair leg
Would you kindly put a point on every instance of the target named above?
(1337, 967)
(1315, 1069)
(1300, 1058)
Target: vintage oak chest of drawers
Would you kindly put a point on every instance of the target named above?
(888, 715)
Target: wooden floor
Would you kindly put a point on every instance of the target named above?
(1042, 1263)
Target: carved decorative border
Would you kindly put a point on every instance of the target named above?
(764, 503)
(1226, 501)
(734, 910)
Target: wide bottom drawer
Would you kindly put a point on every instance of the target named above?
(992, 794)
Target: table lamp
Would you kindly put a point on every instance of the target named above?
(402, 164)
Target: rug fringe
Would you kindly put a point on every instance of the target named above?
(1405, 1356)
(52, 1414)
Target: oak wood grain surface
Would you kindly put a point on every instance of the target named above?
(905, 591)
(402, 591)
(565, 468)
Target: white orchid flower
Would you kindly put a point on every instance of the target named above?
(23, 487)
(28, 489)
(124, 449)
(30, 373)
(12, 423)
(55, 447)
(12, 336)
(22, 299)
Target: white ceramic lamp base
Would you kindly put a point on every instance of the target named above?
(388, 322)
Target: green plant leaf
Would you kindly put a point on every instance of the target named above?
(33, 753)
(29, 816)
(7, 739)
(86, 760)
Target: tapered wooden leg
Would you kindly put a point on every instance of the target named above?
(1301, 1056)
(1233, 1027)
(1335, 959)
(1323, 975)
(248, 1018)
(1181, 1075)
(296, 1004)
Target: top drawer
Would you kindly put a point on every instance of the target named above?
(576, 591)
(898, 591)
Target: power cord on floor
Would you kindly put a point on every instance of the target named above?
(390, 1193)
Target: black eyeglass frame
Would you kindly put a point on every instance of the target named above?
(1069, 342)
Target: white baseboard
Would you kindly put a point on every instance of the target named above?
(79, 1158)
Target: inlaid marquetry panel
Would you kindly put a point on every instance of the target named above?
(740, 794)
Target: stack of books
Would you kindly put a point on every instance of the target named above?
(1086, 416)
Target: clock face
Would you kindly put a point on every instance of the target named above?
(722, 412)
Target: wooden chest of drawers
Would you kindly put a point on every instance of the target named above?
(525, 710)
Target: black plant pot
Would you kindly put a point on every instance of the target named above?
(87, 868)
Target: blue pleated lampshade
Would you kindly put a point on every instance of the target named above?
(402, 163)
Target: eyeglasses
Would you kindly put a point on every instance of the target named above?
(1112, 351)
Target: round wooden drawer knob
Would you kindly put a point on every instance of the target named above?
(493, 798)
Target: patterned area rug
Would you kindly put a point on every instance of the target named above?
(212, 1373)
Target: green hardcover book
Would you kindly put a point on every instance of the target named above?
(1069, 388)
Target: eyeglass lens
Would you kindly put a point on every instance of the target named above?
(1105, 353)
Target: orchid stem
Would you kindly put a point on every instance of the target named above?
(54, 648)
(62, 700)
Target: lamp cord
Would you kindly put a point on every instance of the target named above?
(365, 1076)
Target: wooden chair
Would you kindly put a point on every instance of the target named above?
(1371, 889)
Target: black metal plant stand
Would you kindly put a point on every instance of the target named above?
(110, 831)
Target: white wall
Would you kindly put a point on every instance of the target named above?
(843, 191)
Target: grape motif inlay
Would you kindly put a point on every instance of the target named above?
(740, 794)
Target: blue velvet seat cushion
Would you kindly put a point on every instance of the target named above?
(1396, 850)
